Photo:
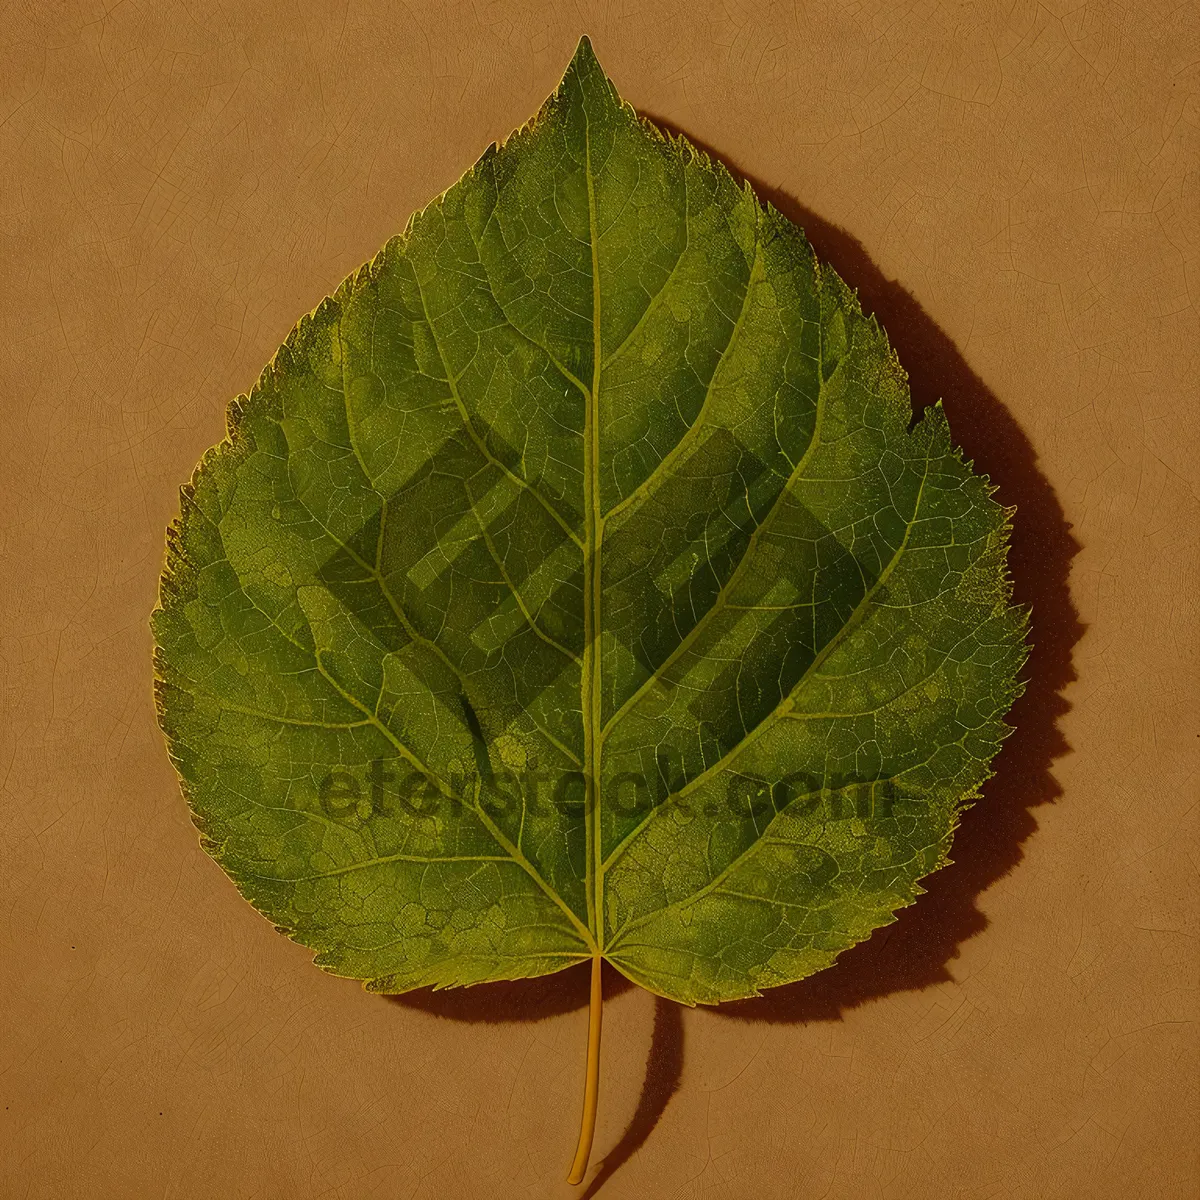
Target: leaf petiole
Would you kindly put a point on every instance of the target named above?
(591, 1087)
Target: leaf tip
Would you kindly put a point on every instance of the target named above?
(583, 51)
(584, 63)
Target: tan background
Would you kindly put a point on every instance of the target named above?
(180, 181)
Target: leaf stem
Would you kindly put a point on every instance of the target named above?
(591, 1087)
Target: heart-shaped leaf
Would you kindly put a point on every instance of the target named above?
(572, 586)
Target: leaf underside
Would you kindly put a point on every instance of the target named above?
(572, 581)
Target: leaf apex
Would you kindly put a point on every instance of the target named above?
(584, 63)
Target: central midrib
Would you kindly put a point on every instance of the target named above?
(590, 691)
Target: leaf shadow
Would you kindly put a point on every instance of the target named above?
(515, 1000)
(664, 1069)
(913, 953)
(525, 1000)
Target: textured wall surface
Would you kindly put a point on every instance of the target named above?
(1014, 189)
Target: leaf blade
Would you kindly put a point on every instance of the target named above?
(594, 473)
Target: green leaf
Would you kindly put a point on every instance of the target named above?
(572, 584)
